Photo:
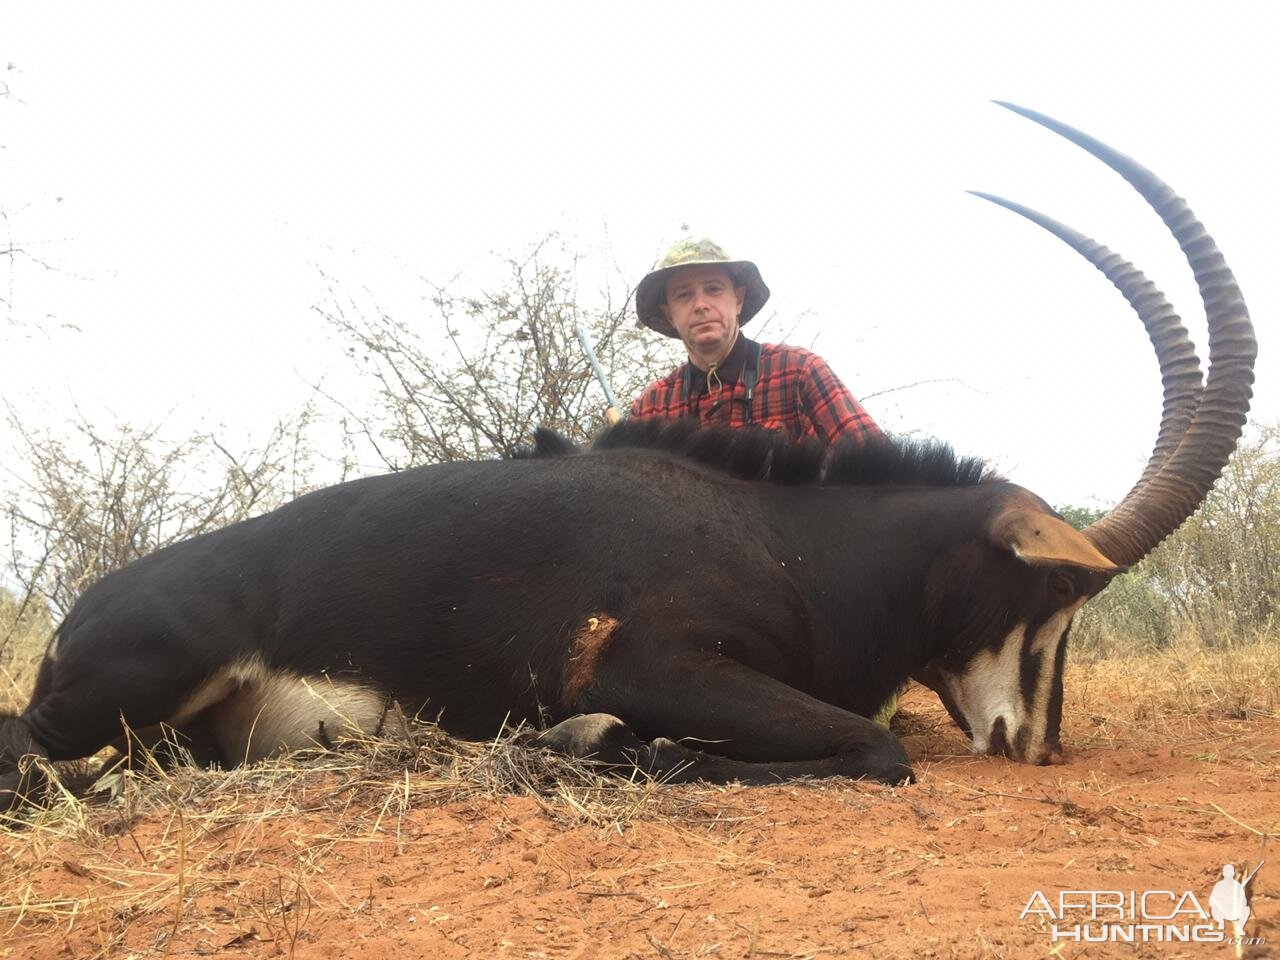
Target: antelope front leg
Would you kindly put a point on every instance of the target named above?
(714, 719)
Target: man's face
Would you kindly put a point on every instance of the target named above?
(703, 305)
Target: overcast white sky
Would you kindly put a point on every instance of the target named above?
(188, 170)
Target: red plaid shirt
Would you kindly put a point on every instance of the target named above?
(796, 393)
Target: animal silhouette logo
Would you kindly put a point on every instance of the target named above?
(1229, 900)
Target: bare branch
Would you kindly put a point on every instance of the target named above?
(512, 360)
(92, 502)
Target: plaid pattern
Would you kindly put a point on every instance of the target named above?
(797, 393)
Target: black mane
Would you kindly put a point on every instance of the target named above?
(755, 454)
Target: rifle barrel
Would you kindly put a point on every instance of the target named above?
(595, 367)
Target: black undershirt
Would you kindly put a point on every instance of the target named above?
(729, 371)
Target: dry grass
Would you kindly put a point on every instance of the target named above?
(161, 837)
(24, 634)
(1175, 694)
(166, 850)
(256, 855)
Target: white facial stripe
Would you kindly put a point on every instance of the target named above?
(990, 686)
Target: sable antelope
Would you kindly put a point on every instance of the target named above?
(702, 604)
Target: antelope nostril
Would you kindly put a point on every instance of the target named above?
(1047, 753)
(1022, 743)
(998, 741)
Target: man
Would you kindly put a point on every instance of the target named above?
(700, 295)
(697, 293)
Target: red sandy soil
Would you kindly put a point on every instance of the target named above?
(942, 868)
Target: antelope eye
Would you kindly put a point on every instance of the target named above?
(1061, 585)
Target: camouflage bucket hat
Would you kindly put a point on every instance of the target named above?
(651, 294)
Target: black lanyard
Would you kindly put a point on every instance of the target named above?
(750, 377)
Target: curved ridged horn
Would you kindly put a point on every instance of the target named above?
(1176, 354)
(1155, 509)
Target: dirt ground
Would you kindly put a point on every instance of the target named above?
(1151, 798)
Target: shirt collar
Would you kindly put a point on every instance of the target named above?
(729, 370)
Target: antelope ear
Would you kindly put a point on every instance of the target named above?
(1037, 537)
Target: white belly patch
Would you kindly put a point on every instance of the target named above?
(253, 711)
